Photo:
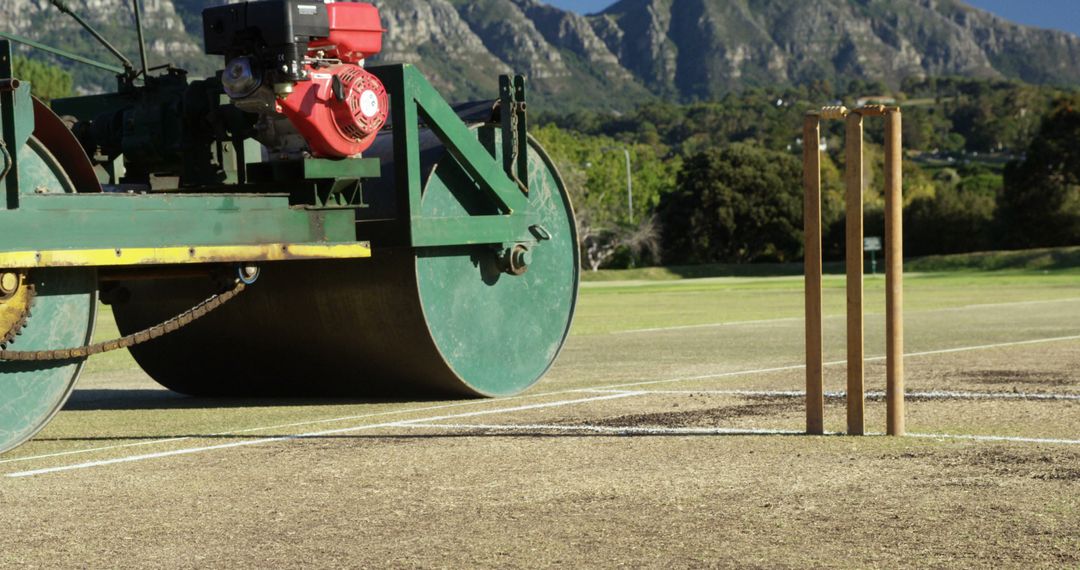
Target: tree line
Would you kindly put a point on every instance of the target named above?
(988, 165)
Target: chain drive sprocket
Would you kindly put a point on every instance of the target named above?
(15, 311)
(172, 325)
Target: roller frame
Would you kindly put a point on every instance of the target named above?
(420, 302)
(56, 229)
(412, 99)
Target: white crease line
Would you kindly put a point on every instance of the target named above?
(158, 455)
(986, 346)
(735, 373)
(280, 426)
(1005, 438)
(663, 430)
(788, 319)
(191, 450)
(871, 395)
(831, 363)
(607, 429)
(89, 450)
(708, 325)
(701, 377)
(990, 305)
(521, 408)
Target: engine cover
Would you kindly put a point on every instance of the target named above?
(339, 111)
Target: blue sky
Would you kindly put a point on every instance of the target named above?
(1056, 14)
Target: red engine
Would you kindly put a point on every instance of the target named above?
(303, 60)
(342, 107)
(339, 110)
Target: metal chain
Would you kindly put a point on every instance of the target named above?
(514, 153)
(7, 160)
(514, 134)
(172, 325)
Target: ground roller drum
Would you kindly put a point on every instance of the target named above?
(407, 321)
(242, 257)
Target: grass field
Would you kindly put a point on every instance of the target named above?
(665, 435)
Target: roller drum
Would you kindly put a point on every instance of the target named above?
(408, 321)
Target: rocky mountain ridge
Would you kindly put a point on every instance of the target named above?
(633, 51)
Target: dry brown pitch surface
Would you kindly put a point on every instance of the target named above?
(671, 447)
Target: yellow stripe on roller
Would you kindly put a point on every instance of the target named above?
(181, 255)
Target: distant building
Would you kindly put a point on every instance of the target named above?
(875, 100)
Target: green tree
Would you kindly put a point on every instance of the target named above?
(955, 220)
(1040, 206)
(594, 169)
(739, 203)
(47, 82)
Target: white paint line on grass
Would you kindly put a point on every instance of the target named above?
(627, 430)
(261, 441)
(793, 319)
(986, 346)
(524, 408)
(158, 455)
(92, 449)
(708, 325)
(664, 430)
(1011, 303)
(831, 363)
(735, 373)
(995, 438)
(278, 426)
(871, 395)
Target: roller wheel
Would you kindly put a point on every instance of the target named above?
(45, 309)
(411, 322)
(62, 315)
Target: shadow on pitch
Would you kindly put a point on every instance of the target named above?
(374, 438)
(160, 399)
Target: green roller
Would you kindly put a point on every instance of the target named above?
(413, 321)
(298, 225)
(41, 309)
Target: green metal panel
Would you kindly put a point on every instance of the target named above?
(413, 98)
(316, 168)
(51, 216)
(499, 333)
(16, 124)
(58, 221)
(463, 145)
(467, 230)
(405, 118)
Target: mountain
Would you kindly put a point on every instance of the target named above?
(633, 51)
(169, 39)
(699, 48)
